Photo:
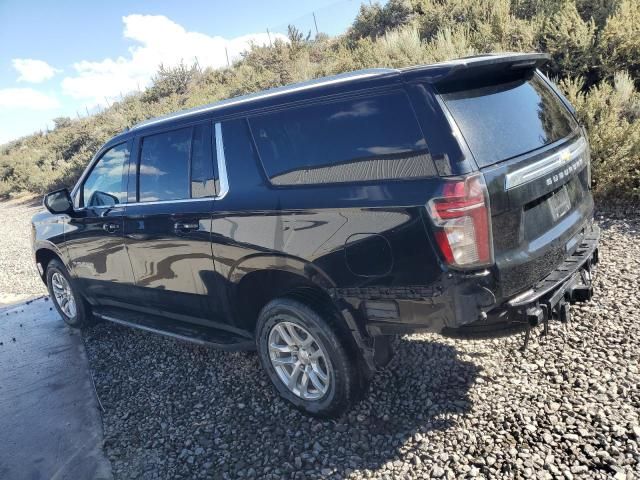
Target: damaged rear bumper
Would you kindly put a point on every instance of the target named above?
(549, 299)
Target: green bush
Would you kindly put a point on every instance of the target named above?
(619, 45)
(611, 114)
(569, 40)
(375, 20)
(591, 42)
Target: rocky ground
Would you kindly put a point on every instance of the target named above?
(18, 277)
(567, 408)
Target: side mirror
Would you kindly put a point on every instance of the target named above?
(59, 201)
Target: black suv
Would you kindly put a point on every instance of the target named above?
(316, 221)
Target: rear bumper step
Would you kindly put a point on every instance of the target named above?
(585, 255)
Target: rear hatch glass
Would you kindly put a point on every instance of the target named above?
(501, 121)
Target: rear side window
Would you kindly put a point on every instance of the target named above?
(353, 140)
(202, 174)
(509, 119)
(176, 165)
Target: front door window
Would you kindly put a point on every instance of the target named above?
(104, 185)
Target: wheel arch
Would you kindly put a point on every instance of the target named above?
(280, 262)
(257, 288)
(253, 290)
(43, 254)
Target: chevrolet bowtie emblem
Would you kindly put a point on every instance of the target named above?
(565, 156)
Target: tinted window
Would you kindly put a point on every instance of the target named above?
(353, 140)
(164, 166)
(202, 175)
(503, 121)
(103, 186)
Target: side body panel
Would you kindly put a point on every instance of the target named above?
(169, 245)
(98, 258)
(341, 236)
(170, 251)
(94, 240)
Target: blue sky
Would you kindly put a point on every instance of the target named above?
(62, 58)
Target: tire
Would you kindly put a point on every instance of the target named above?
(57, 275)
(336, 361)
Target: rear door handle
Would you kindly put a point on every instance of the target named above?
(185, 227)
(111, 227)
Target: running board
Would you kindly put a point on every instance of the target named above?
(200, 335)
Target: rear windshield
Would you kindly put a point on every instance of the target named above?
(509, 119)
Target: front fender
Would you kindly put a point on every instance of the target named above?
(48, 235)
(49, 249)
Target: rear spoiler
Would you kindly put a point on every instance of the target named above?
(479, 66)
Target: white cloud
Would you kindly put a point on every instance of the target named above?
(33, 71)
(160, 41)
(26, 98)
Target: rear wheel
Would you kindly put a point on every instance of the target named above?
(306, 360)
(68, 302)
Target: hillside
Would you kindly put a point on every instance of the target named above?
(595, 45)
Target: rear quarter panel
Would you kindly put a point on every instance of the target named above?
(312, 225)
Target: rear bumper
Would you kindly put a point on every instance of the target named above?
(570, 282)
(465, 304)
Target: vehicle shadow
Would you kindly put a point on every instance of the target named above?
(212, 414)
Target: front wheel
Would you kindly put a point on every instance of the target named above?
(306, 360)
(68, 302)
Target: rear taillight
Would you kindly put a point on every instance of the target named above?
(462, 222)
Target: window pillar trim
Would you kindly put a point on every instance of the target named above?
(223, 180)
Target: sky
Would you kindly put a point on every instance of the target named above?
(69, 58)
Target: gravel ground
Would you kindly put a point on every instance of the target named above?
(567, 408)
(18, 277)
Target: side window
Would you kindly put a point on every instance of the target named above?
(202, 175)
(362, 139)
(176, 165)
(104, 185)
(163, 172)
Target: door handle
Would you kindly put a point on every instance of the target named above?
(185, 227)
(111, 227)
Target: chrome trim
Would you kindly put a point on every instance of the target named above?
(223, 180)
(155, 202)
(296, 87)
(545, 166)
(179, 200)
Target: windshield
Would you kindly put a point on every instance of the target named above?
(508, 119)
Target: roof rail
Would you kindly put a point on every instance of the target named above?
(295, 87)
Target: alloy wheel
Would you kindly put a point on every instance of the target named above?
(299, 360)
(63, 294)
